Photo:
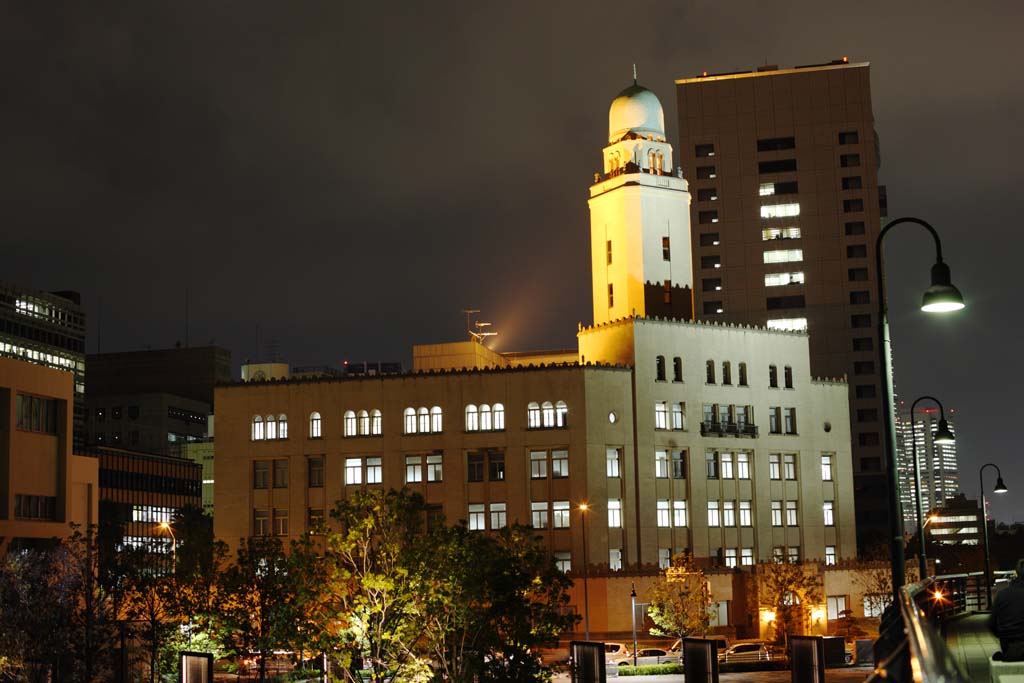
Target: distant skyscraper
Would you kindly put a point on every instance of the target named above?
(47, 328)
(940, 474)
(783, 171)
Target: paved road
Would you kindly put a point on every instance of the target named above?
(853, 674)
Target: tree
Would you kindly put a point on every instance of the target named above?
(680, 601)
(789, 590)
(375, 600)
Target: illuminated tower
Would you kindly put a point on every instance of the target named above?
(639, 217)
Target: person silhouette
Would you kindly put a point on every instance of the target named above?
(1007, 618)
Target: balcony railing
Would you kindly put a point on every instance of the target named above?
(745, 429)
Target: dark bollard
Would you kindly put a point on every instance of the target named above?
(807, 659)
(700, 660)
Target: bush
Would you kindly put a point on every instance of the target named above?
(740, 667)
(650, 669)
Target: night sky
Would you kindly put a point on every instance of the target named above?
(338, 180)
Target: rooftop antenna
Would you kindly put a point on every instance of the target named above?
(469, 312)
(634, 73)
(477, 330)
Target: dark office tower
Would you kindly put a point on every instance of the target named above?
(47, 328)
(783, 171)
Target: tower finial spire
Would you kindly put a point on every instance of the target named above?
(634, 73)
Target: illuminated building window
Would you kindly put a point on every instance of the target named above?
(614, 513)
(410, 420)
(745, 517)
(615, 559)
(713, 519)
(559, 464)
(791, 519)
(730, 557)
(782, 279)
(435, 467)
(788, 233)
(661, 464)
(485, 418)
(349, 422)
(729, 515)
(472, 418)
(826, 468)
(548, 414)
(666, 251)
(538, 464)
(364, 423)
(560, 514)
(776, 513)
(742, 466)
(282, 426)
(614, 462)
(498, 516)
(413, 469)
(783, 255)
(788, 324)
(827, 513)
(533, 416)
(261, 522)
(353, 471)
(679, 514)
(477, 517)
(271, 423)
(373, 470)
(375, 422)
(436, 422)
(563, 561)
(423, 421)
(774, 466)
(678, 464)
(539, 515)
(660, 415)
(257, 428)
(498, 417)
(664, 516)
(280, 522)
(679, 416)
(561, 414)
(611, 295)
(747, 557)
(315, 426)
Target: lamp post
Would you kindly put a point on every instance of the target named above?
(583, 507)
(940, 437)
(632, 600)
(174, 546)
(999, 488)
(941, 297)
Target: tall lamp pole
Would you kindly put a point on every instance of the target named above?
(1000, 488)
(174, 546)
(941, 297)
(941, 436)
(583, 507)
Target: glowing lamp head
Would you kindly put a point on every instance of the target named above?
(1000, 486)
(165, 525)
(583, 507)
(942, 435)
(768, 615)
(938, 595)
(942, 296)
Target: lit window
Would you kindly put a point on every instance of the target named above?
(713, 519)
(728, 513)
(561, 414)
(485, 418)
(793, 557)
(282, 426)
(538, 464)
(789, 419)
(533, 415)
(730, 557)
(349, 421)
(790, 232)
(559, 464)
(373, 470)
(410, 421)
(498, 417)
(788, 324)
(789, 466)
(375, 422)
(614, 513)
(472, 419)
(614, 458)
(835, 604)
(423, 420)
(791, 513)
(435, 419)
(413, 469)
(776, 513)
(477, 517)
(664, 516)
(257, 428)
(548, 414)
(664, 558)
(498, 516)
(539, 515)
(774, 466)
(780, 210)
(660, 415)
(781, 279)
(678, 416)
(826, 468)
(315, 426)
(560, 514)
(747, 557)
(783, 255)
(679, 464)
(280, 522)
(435, 470)
(563, 561)
(364, 423)
(679, 514)
(615, 559)
(661, 464)
(826, 510)
(766, 189)
(353, 471)
(745, 519)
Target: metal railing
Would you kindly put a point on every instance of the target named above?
(728, 429)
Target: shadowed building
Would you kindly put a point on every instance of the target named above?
(783, 169)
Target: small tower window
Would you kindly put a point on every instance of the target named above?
(659, 364)
(609, 252)
(788, 376)
(726, 372)
(668, 291)
(677, 369)
(711, 372)
(773, 376)
(666, 251)
(611, 295)
(743, 374)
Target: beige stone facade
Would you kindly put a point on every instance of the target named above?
(43, 486)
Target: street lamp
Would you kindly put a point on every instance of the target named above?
(941, 436)
(632, 600)
(941, 297)
(583, 507)
(174, 546)
(1000, 488)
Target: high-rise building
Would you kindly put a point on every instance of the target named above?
(783, 171)
(940, 471)
(47, 328)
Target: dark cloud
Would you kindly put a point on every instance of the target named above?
(348, 176)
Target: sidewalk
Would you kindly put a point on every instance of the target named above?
(972, 644)
(853, 674)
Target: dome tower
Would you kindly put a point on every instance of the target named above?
(639, 217)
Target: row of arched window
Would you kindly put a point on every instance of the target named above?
(482, 418)
(660, 371)
(485, 418)
(269, 427)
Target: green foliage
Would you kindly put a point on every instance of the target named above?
(650, 670)
(789, 590)
(680, 600)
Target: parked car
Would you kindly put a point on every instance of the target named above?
(648, 656)
(721, 643)
(614, 652)
(745, 652)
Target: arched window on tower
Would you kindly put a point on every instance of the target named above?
(660, 162)
(282, 426)
(435, 419)
(743, 374)
(547, 410)
(349, 422)
(498, 417)
(659, 368)
(485, 418)
(561, 414)
(726, 372)
(472, 418)
(651, 160)
(364, 423)
(711, 372)
(375, 422)
(423, 416)
(787, 373)
(257, 428)
(773, 376)
(271, 427)
(532, 415)
(409, 419)
(315, 426)
(677, 369)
